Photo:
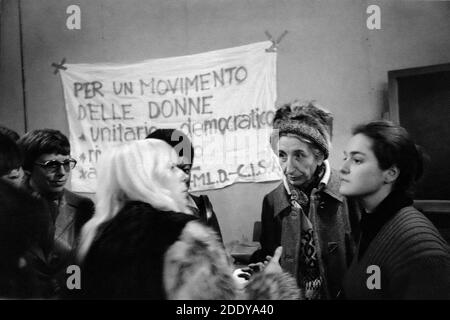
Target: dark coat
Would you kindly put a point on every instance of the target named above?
(408, 256)
(332, 221)
(68, 215)
(74, 212)
(125, 261)
(144, 253)
(23, 225)
(206, 213)
(56, 252)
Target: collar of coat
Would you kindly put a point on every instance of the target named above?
(328, 185)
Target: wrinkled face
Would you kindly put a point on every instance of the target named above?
(297, 160)
(360, 174)
(14, 177)
(50, 180)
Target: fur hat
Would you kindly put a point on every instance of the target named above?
(307, 120)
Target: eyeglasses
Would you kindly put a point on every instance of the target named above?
(54, 165)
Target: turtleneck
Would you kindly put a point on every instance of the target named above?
(372, 222)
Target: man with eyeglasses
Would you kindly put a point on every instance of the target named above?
(48, 164)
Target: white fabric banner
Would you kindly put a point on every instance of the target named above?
(223, 100)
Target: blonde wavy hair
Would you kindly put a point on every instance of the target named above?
(136, 171)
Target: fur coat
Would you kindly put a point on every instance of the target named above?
(196, 267)
(144, 253)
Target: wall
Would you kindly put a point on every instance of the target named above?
(11, 86)
(328, 55)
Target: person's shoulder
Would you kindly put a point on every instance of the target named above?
(77, 200)
(278, 192)
(179, 218)
(147, 214)
(141, 225)
(411, 216)
(132, 223)
(411, 230)
(275, 201)
(84, 207)
(133, 210)
(124, 237)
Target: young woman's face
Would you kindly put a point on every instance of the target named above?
(360, 173)
(297, 160)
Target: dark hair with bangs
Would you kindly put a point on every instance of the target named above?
(172, 137)
(393, 146)
(10, 155)
(38, 142)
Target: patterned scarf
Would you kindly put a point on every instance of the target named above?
(299, 196)
(310, 280)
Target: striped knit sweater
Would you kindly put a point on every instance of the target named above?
(413, 261)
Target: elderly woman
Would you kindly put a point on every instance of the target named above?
(400, 254)
(306, 214)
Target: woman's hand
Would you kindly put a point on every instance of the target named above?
(271, 264)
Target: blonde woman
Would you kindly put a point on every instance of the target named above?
(141, 200)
